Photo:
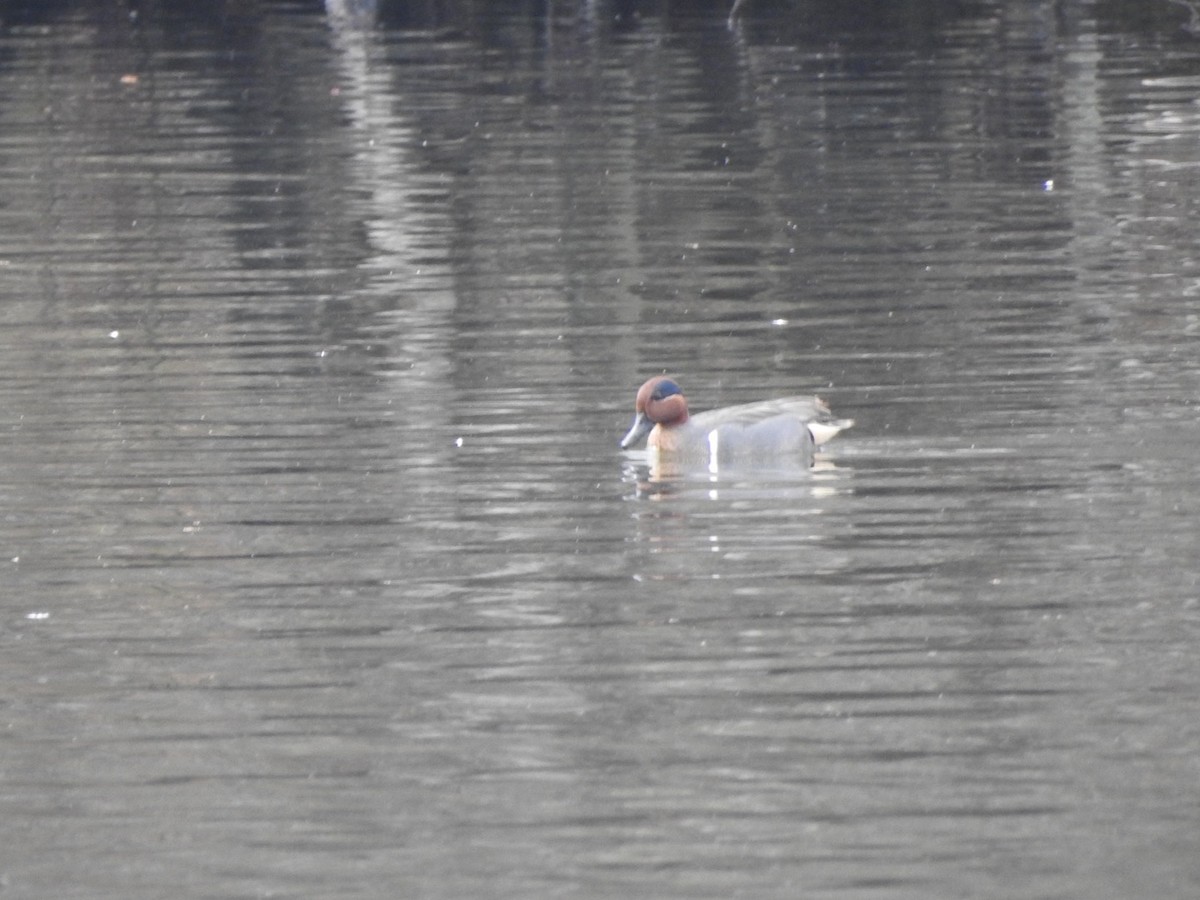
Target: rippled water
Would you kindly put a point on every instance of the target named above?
(322, 572)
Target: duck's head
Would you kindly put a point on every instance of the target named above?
(659, 402)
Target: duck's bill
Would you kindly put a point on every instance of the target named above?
(641, 427)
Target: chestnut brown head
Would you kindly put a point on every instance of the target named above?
(659, 402)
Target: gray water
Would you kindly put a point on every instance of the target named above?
(321, 574)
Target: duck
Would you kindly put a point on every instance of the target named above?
(786, 431)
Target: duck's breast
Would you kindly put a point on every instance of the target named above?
(684, 441)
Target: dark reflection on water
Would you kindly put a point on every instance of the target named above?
(323, 574)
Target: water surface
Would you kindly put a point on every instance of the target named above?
(322, 572)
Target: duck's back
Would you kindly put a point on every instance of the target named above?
(781, 439)
(810, 411)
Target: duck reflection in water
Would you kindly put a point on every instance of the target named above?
(783, 433)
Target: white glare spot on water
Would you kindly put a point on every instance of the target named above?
(458, 442)
(38, 615)
(778, 322)
(1048, 185)
(114, 334)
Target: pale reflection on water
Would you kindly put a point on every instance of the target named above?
(323, 574)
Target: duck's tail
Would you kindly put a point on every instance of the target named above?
(826, 431)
